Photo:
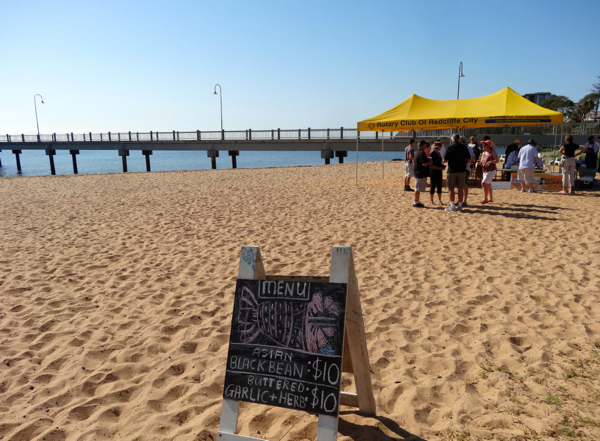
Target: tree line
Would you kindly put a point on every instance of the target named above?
(575, 112)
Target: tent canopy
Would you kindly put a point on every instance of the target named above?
(503, 108)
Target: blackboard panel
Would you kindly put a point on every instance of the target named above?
(286, 344)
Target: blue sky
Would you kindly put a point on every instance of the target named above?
(152, 65)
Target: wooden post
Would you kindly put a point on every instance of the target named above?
(250, 268)
(91, 137)
(341, 133)
(74, 154)
(198, 135)
(278, 133)
(342, 271)
(222, 135)
(17, 153)
(250, 134)
(147, 154)
(309, 133)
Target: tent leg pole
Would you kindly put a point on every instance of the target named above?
(382, 161)
(357, 160)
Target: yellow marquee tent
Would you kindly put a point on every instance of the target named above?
(503, 108)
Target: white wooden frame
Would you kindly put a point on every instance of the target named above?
(355, 357)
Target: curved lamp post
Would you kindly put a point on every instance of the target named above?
(36, 117)
(221, 99)
(460, 75)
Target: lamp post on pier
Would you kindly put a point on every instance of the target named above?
(460, 75)
(221, 99)
(36, 117)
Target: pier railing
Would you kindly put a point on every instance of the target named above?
(225, 135)
(286, 135)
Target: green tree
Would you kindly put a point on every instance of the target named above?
(560, 104)
(584, 106)
(596, 90)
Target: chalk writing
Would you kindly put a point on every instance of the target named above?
(286, 344)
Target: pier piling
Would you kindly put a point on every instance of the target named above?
(17, 153)
(124, 154)
(147, 154)
(233, 154)
(51, 152)
(74, 154)
(327, 155)
(213, 155)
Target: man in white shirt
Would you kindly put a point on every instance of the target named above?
(528, 159)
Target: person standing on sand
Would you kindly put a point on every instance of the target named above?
(489, 159)
(435, 174)
(409, 166)
(591, 153)
(463, 140)
(528, 159)
(570, 153)
(457, 156)
(421, 171)
(475, 148)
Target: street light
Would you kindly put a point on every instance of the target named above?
(460, 75)
(36, 118)
(221, 98)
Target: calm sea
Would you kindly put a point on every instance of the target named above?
(36, 163)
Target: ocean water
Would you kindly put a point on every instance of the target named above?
(36, 163)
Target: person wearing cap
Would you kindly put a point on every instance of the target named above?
(528, 159)
(591, 153)
(421, 171)
(570, 151)
(457, 156)
(488, 162)
(409, 166)
(435, 173)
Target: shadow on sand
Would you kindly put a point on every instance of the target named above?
(371, 433)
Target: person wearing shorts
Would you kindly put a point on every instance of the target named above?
(421, 171)
(456, 156)
(528, 158)
(570, 151)
(488, 162)
(409, 166)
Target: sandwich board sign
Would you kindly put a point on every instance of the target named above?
(291, 339)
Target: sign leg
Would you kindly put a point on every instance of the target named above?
(342, 271)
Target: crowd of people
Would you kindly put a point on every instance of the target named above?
(460, 158)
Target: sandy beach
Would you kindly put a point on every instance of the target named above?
(117, 290)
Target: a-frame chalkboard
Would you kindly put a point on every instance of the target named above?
(310, 321)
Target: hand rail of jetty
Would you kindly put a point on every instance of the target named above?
(331, 143)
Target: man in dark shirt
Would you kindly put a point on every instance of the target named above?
(421, 171)
(456, 156)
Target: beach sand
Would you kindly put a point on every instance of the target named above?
(116, 298)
